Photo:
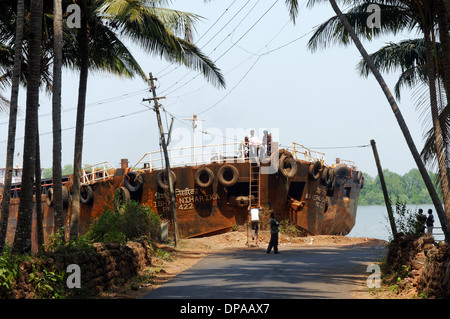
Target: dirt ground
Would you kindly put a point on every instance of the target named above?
(170, 261)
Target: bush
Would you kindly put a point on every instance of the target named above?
(29, 276)
(289, 229)
(131, 221)
(9, 271)
(71, 248)
(405, 219)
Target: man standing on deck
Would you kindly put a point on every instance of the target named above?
(254, 144)
(273, 235)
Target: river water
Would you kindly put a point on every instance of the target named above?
(372, 222)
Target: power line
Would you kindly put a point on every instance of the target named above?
(88, 124)
(338, 147)
(254, 24)
(89, 105)
(212, 50)
(160, 76)
(258, 55)
(226, 95)
(267, 11)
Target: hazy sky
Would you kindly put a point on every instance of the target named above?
(273, 82)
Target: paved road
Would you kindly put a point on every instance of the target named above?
(313, 272)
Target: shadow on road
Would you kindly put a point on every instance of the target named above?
(295, 273)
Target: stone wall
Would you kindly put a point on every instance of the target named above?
(113, 264)
(426, 262)
(108, 266)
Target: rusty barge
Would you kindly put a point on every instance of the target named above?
(215, 188)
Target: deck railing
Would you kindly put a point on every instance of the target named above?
(97, 172)
(220, 153)
(194, 155)
(303, 153)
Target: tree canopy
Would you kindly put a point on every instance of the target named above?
(409, 187)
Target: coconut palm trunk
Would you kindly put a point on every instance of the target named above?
(22, 238)
(12, 123)
(79, 128)
(444, 39)
(56, 116)
(407, 135)
(447, 8)
(435, 118)
(38, 196)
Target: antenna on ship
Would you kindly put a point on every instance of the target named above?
(194, 119)
(166, 156)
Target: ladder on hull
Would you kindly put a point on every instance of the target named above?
(254, 199)
(255, 184)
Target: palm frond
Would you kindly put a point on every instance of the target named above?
(428, 152)
(408, 56)
(403, 55)
(410, 78)
(151, 33)
(199, 61)
(4, 105)
(180, 23)
(332, 31)
(293, 8)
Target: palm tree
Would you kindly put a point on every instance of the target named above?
(9, 60)
(351, 33)
(12, 122)
(56, 115)
(38, 196)
(444, 37)
(398, 15)
(427, 26)
(22, 238)
(154, 29)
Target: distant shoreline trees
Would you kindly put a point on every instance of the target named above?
(410, 188)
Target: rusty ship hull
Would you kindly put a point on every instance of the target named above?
(214, 196)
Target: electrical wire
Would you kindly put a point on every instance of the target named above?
(339, 147)
(89, 105)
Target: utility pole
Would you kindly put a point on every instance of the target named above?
(194, 119)
(166, 156)
(383, 186)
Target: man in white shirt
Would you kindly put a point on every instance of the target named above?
(254, 219)
(254, 144)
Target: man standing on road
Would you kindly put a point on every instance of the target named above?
(273, 235)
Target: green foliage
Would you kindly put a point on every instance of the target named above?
(164, 255)
(406, 220)
(409, 187)
(48, 284)
(69, 249)
(66, 170)
(130, 221)
(9, 271)
(289, 229)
